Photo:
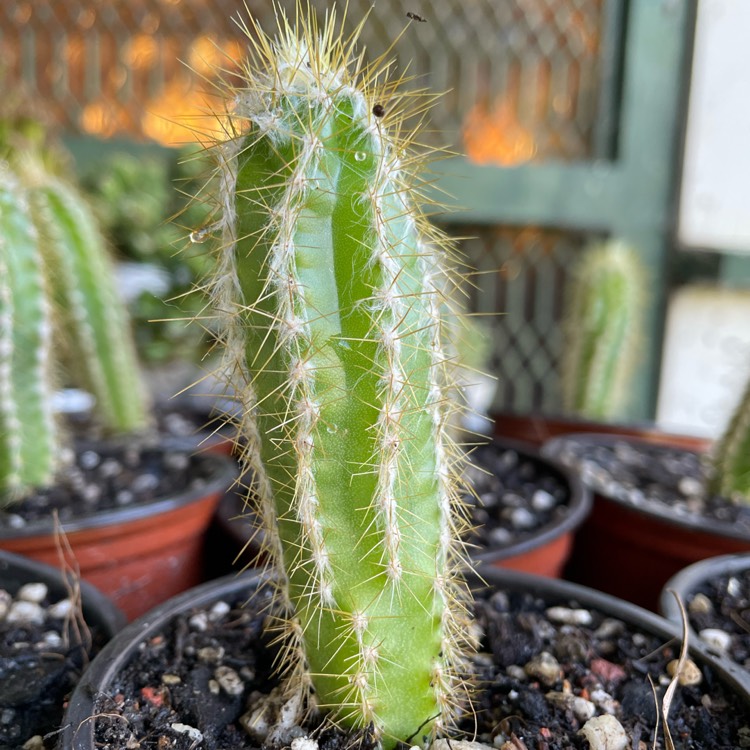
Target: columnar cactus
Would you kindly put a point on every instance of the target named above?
(330, 284)
(731, 459)
(602, 330)
(54, 271)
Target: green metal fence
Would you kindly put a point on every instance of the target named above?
(568, 111)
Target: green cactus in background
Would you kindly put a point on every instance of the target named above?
(329, 281)
(55, 278)
(602, 325)
(730, 474)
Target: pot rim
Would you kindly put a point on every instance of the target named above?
(696, 524)
(98, 609)
(78, 731)
(687, 580)
(222, 475)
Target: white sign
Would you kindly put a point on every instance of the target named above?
(715, 191)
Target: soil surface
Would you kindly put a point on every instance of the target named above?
(44, 647)
(544, 668)
(669, 481)
(515, 496)
(102, 476)
(719, 610)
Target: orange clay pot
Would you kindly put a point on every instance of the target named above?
(141, 555)
(631, 552)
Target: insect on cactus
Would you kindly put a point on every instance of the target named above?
(55, 282)
(330, 283)
(602, 327)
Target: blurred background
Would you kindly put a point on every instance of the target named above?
(568, 121)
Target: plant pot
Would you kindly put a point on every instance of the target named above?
(631, 550)
(34, 683)
(235, 540)
(722, 609)
(537, 428)
(512, 587)
(138, 555)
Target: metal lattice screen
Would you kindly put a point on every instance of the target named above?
(523, 80)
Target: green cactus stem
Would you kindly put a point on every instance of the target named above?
(55, 275)
(28, 433)
(92, 313)
(602, 330)
(330, 285)
(731, 460)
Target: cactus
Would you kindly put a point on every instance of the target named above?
(730, 470)
(54, 270)
(329, 282)
(602, 330)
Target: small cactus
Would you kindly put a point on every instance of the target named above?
(330, 282)
(730, 474)
(602, 326)
(55, 276)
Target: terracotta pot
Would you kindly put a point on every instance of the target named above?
(78, 726)
(235, 541)
(141, 555)
(630, 551)
(537, 429)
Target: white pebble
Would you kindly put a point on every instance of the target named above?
(25, 612)
(582, 709)
(700, 604)
(170, 679)
(210, 654)
(199, 622)
(521, 518)
(605, 733)
(304, 743)
(219, 610)
(690, 674)
(690, 487)
(499, 536)
(604, 701)
(229, 680)
(716, 639)
(194, 734)
(52, 640)
(734, 588)
(542, 500)
(569, 616)
(544, 667)
(15, 521)
(32, 592)
(60, 610)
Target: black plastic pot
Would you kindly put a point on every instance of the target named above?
(34, 684)
(78, 728)
(99, 611)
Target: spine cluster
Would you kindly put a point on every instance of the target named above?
(330, 287)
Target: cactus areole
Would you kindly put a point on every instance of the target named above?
(331, 286)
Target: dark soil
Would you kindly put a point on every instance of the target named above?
(669, 481)
(41, 659)
(723, 604)
(102, 476)
(514, 496)
(170, 697)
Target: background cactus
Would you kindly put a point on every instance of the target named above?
(55, 278)
(730, 471)
(602, 325)
(330, 283)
